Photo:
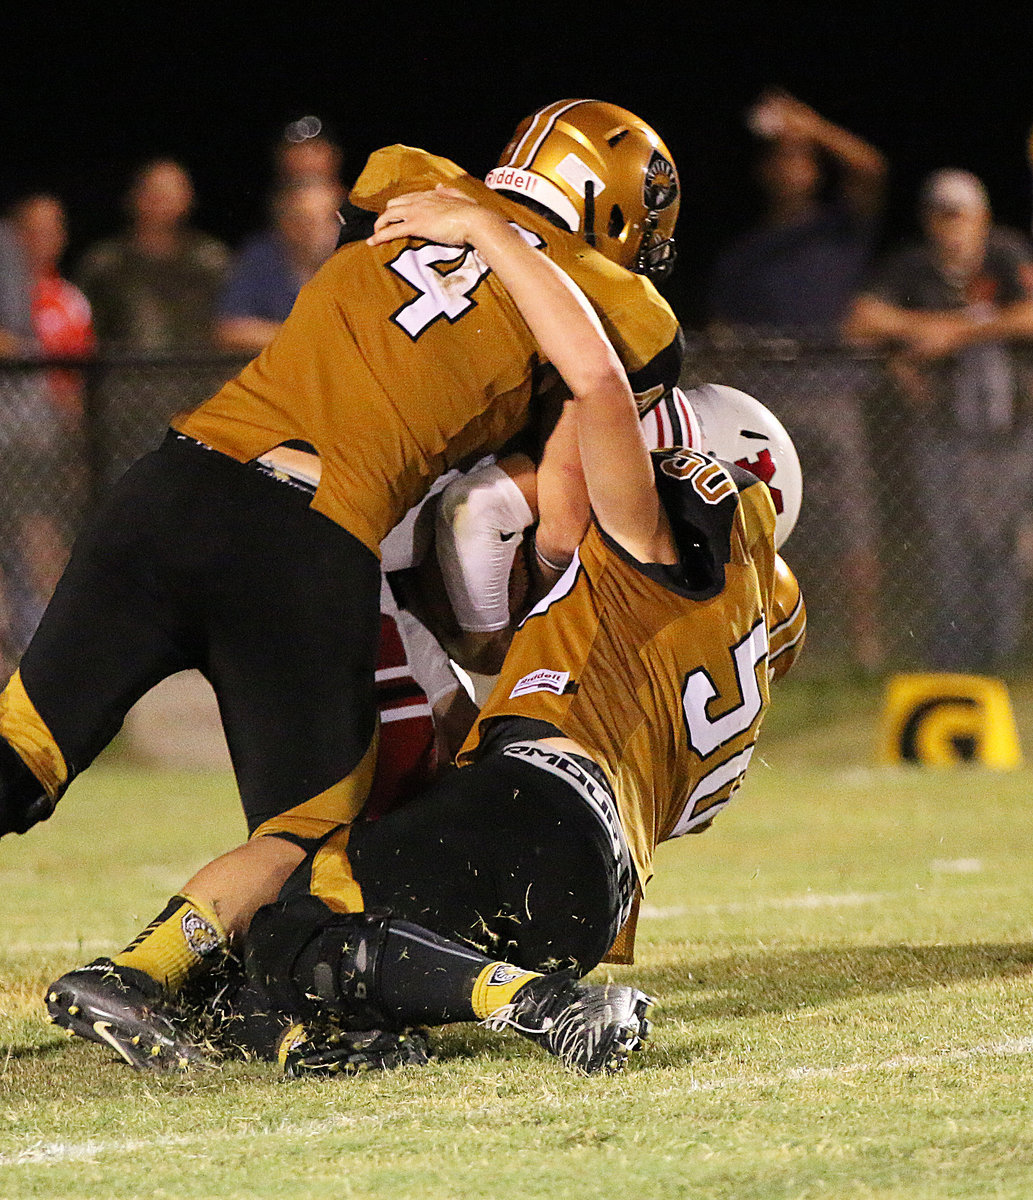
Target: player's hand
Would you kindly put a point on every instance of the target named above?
(445, 216)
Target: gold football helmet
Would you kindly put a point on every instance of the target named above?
(601, 172)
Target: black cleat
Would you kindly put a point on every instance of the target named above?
(121, 1008)
(304, 1052)
(589, 1027)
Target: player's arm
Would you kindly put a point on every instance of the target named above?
(616, 463)
(562, 501)
(483, 515)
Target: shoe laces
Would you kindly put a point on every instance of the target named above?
(570, 1034)
(507, 1016)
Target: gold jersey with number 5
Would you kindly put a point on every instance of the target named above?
(401, 361)
(661, 674)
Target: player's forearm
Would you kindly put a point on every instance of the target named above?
(562, 496)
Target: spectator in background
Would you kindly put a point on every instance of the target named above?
(952, 310)
(306, 150)
(41, 419)
(797, 270)
(51, 458)
(153, 290)
(153, 287)
(269, 270)
(792, 276)
(61, 317)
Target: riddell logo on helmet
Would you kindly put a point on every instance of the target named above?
(512, 177)
(543, 191)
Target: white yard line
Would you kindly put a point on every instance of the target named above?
(54, 1152)
(956, 866)
(807, 900)
(47, 1153)
(1010, 1048)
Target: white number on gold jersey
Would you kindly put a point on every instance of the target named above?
(442, 293)
(707, 735)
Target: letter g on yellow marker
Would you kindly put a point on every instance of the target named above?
(944, 720)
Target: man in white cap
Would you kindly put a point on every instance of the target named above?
(951, 309)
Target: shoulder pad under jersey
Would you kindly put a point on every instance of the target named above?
(395, 170)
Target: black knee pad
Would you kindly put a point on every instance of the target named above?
(23, 799)
(312, 961)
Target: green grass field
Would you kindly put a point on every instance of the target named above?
(844, 964)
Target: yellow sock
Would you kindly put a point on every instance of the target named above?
(496, 985)
(178, 942)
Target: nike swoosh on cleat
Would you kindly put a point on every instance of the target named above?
(103, 1030)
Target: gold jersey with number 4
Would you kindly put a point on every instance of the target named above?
(661, 674)
(401, 361)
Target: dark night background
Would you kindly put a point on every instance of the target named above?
(88, 95)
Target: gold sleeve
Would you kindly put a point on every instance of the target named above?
(395, 170)
(787, 621)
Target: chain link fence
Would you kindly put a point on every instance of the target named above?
(915, 544)
(864, 549)
(68, 430)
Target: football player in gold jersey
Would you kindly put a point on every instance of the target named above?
(626, 713)
(398, 362)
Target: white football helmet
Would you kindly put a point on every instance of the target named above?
(739, 429)
(671, 422)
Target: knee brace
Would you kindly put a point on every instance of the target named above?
(312, 961)
(24, 801)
